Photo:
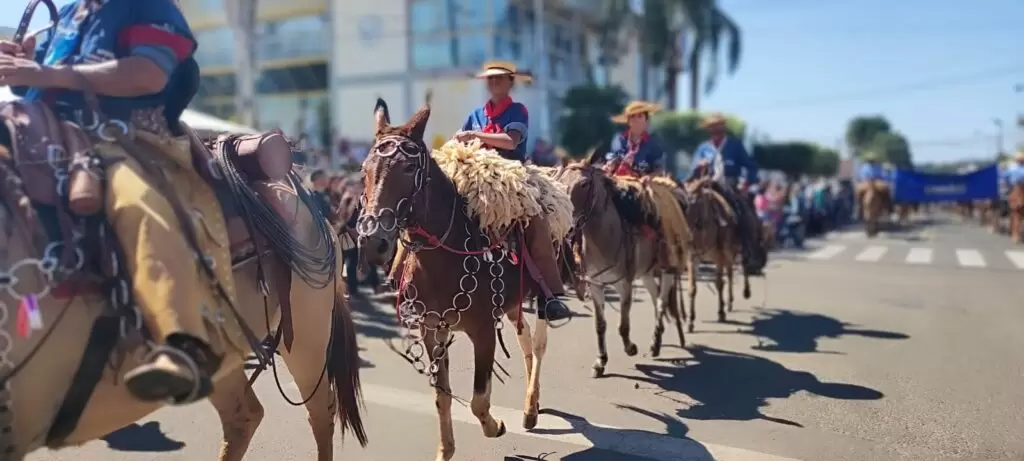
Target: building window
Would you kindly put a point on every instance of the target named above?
(432, 53)
(297, 37)
(473, 49)
(216, 47)
(428, 17)
(508, 47)
(470, 14)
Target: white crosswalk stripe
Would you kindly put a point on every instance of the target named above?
(970, 258)
(917, 256)
(1016, 257)
(872, 254)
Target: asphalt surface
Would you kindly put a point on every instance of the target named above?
(839, 358)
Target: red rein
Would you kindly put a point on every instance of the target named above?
(433, 240)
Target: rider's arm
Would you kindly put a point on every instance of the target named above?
(655, 155)
(39, 54)
(515, 130)
(152, 46)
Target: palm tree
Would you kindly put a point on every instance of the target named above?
(671, 34)
(241, 15)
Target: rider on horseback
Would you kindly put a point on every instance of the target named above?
(870, 171)
(1014, 173)
(503, 125)
(635, 152)
(726, 156)
(137, 55)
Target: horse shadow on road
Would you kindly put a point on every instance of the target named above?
(794, 331)
(610, 443)
(726, 385)
(148, 437)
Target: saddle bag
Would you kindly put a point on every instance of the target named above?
(261, 157)
(47, 152)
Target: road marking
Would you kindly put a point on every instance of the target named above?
(970, 258)
(872, 254)
(577, 432)
(919, 256)
(827, 252)
(850, 235)
(1016, 257)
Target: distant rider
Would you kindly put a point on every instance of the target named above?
(727, 158)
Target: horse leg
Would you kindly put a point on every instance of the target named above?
(525, 340)
(625, 288)
(746, 286)
(240, 414)
(677, 309)
(658, 295)
(597, 299)
(720, 288)
(540, 347)
(435, 342)
(484, 339)
(691, 287)
(729, 274)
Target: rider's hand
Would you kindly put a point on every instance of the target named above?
(25, 49)
(18, 71)
(464, 136)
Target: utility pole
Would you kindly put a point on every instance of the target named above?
(999, 135)
(541, 48)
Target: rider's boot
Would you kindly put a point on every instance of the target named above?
(537, 236)
(167, 286)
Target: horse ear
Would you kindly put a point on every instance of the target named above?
(418, 123)
(598, 152)
(381, 116)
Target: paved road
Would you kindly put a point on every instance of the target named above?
(833, 359)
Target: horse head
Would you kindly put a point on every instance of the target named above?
(396, 175)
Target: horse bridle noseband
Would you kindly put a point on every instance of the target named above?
(403, 216)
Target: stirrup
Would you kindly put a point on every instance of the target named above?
(190, 363)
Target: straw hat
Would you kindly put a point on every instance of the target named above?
(1020, 156)
(496, 68)
(712, 119)
(636, 108)
(869, 157)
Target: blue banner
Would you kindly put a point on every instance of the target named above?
(914, 186)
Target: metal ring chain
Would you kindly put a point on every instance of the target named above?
(415, 317)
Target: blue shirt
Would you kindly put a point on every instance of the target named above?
(514, 118)
(649, 154)
(869, 172)
(734, 157)
(118, 29)
(1014, 175)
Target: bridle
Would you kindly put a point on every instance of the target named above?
(391, 151)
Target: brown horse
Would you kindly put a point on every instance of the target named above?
(715, 239)
(875, 203)
(42, 372)
(1015, 201)
(615, 253)
(452, 277)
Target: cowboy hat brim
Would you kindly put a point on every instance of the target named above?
(629, 112)
(493, 72)
(714, 121)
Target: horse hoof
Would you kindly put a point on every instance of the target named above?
(501, 429)
(746, 293)
(655, 351)
(689, 328)
(529, 421)
(721, 318)
(597, 372)
(631, 350)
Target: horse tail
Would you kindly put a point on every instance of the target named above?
(343, 368)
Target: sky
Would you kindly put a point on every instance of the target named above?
(942, 71)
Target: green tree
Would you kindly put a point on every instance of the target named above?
(793, 158)
(862, 130)
(892, 147)
(825, 162)
(675, 35)
(586, 117)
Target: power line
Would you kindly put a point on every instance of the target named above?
(898, 89)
